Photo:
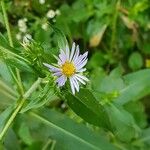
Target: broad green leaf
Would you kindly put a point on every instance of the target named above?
(110, 83)
(137, 86)
(66, 132)
(137, 110)
(84, 103)
(130, 87)
(123, 123)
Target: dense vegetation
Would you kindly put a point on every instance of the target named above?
(110, 112)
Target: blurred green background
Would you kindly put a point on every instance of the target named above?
(117, 36)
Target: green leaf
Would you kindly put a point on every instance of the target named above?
(60, 37)
(1, 146)
(138, 112)
(40, 98)
(97, 60)
(24, 134)
(22, 65)
(135, 61)
(123, 123)
(5, 115)
(137, 86)
(110, 83)
(145, 136)
(4, 72)
(7, 94)
(67, 133)
(11, 142)
(84, 103)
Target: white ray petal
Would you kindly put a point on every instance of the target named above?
(76, 55)
(67, 52)
(81, 70)
(52, 68)
(72, 86)
(57, 73)
(63, 56)
(82, 77)
(82, 64)
(61, 80)
(79, 79)
(72, 51)
(76, 84)
(81, 58)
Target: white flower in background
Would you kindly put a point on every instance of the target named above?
(70, 67)
(57, 12)
(41, 1)
(18, 36)
(50, 14)
(27, 39)
(22, 25)
(44, 26)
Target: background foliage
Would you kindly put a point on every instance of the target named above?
(111, 112)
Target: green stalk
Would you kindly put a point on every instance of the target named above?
(114, 23)
(12, 117)
(19, 106)
(6, 23)
(20, 87)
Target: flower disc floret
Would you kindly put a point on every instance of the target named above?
(68, 69)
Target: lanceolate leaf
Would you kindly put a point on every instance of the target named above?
(67, 133)
(40, 98)
(85, 105)
(123, 123)
(137, 86)
(4, 116)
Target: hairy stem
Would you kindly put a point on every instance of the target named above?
(20, 86)
(19, 106)
(6, 23)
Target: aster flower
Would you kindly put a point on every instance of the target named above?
(70, 67)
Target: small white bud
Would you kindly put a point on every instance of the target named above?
(41, 1)
(50, 14)
(27, 39)
(44, 26)
(22, 25)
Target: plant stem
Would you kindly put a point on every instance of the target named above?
(10, 120)
(32, 88)
(114, 23)
(19, 106)
(20, 86)
(6, 23)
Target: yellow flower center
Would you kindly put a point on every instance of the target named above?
(68, 69)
